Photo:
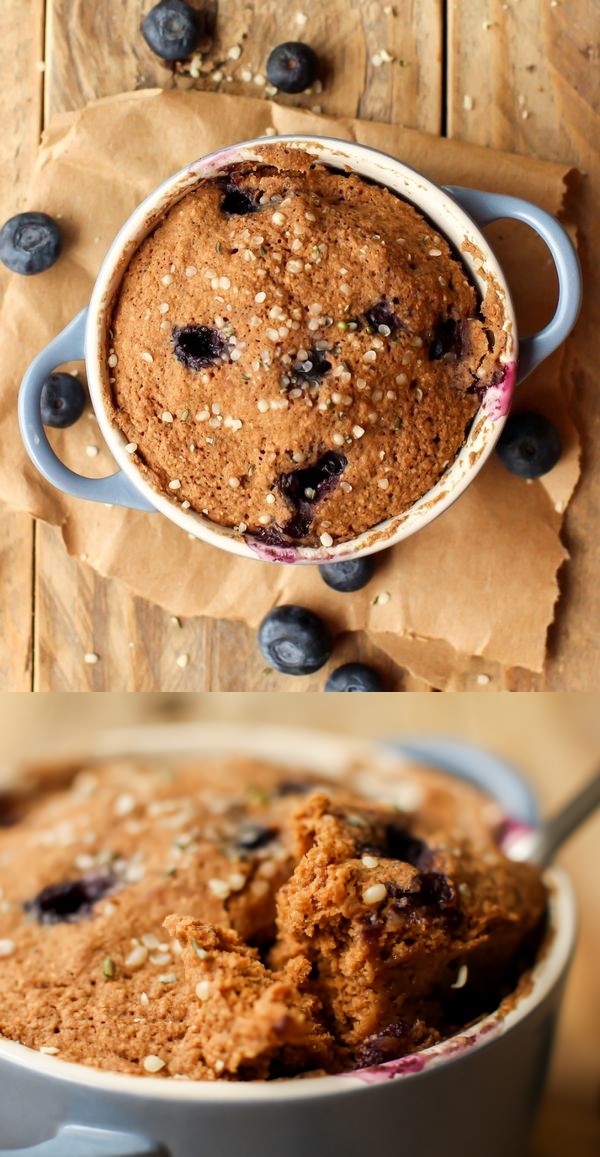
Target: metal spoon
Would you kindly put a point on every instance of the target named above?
(541, 846)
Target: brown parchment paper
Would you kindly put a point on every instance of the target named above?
(464, 601)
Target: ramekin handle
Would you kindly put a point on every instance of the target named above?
(116, 488)
(485, 207)
(487, 771)
(80, 1141)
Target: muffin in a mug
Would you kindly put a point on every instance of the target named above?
(221, 920)
(297, 353)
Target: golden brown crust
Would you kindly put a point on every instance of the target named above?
(298, 276)
(386, 937)
(249, 1019)
(312, 920)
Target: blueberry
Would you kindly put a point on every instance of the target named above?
(401, 845)
(70, 901)
(397, 843)
(393, 1042)
(293, 787)
(529, 445)
(432, 889)
(238, 202)
(292, 66)
(294, 640)
(437, 889)
(9, 812)
(319, 479)
(62, 401)
(348, 576)
(272, 536)
(354, 677)
(171, 29)
(313, 369)
(382, 314)
(29, 243)
(302, 488)
(254, 836)
(447, 339)
(199, 346)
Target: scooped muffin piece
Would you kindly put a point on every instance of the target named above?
(395, 925)
(225, 920)
(251, 1022)
(296, 352)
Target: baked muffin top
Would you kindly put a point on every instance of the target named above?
(297, 352)
(221, 920)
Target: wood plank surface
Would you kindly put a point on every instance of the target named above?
(553, 739)
(93, 51)
(21, 48)
(96, 50)
(527, 69)
(530, 73)
(17, 559)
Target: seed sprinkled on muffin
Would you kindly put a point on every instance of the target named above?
(304, 311)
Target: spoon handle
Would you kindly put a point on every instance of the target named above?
(557, 829)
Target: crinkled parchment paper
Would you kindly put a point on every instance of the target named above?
(467, 600)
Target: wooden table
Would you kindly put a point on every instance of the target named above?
(517, 75)
(553, 739)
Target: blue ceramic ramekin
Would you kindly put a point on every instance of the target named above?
(476, 1093)
(460, 214)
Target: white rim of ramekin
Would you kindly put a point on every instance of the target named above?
(327, 754)
(485, 430)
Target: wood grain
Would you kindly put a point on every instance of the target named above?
(527, 71)
(140, 647)
(94, 50)
(523, 70)
(21, 84)
(530, 75)
(16, 606)
(553, 739)
(97, 50)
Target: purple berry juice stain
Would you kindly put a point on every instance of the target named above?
(237, 202)
(271, 553)
(71, 900)
(313, 369)
(199, 346)
(498, 395)
(382, 314)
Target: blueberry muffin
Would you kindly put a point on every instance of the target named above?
(219, 920)
(297, 353)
